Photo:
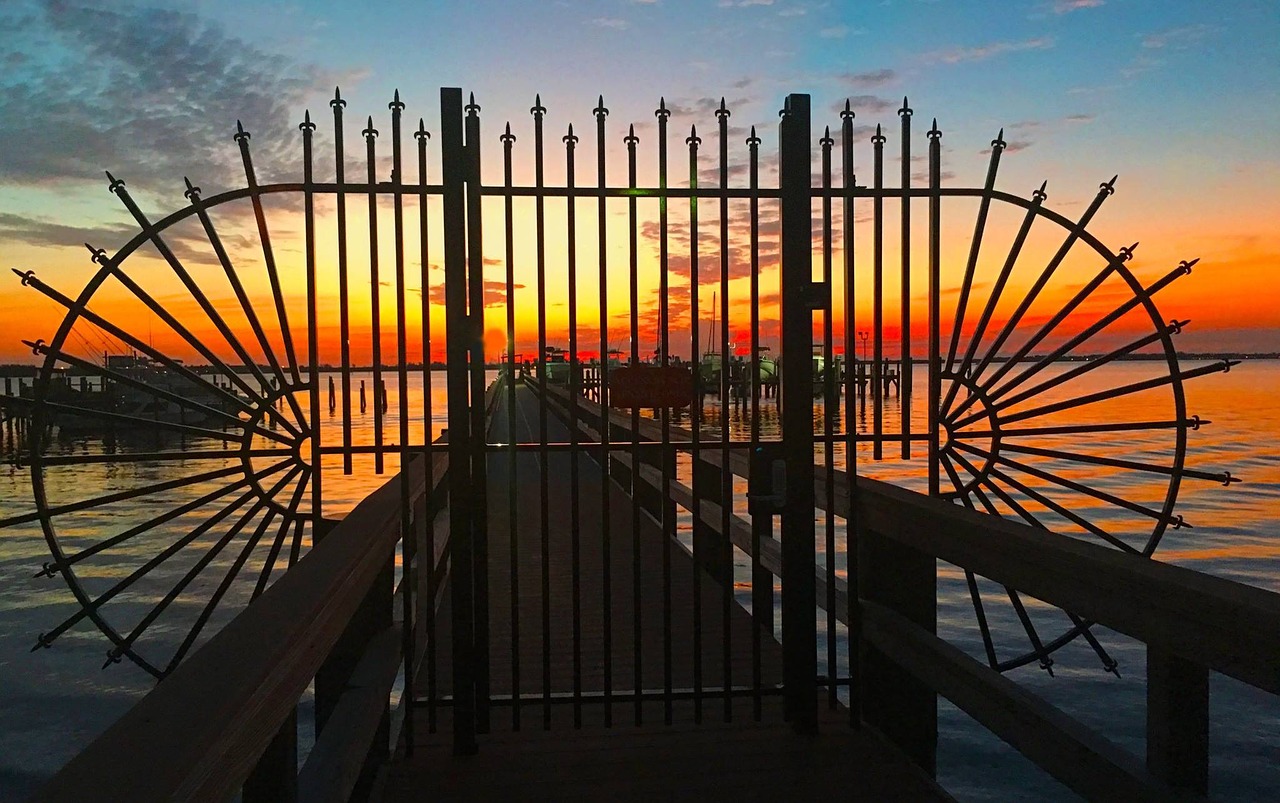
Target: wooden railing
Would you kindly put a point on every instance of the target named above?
(1192, 623)
(225, 720)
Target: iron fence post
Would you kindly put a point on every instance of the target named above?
(457, 336)
(799, 595)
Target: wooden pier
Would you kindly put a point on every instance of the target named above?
(225, 720)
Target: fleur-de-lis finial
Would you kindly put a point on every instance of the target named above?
(662, 112)
(192, 193)
(826, 141)
(1040, 195)
(878, 138)
(472, 108)
(600, 110)
(722, 112)
(241, 135)
(306, 126)
(693, 140)
(422, 134)
(569, 139)
(1109, 187)
(369, 132)
(507, 137)
(395, 105)
(337, 102)
(935, 132)
(753, 141)
(905, 111)
(631, 139)
(998, 143)
(538, 110)
(113, 184)
(97, 255)
(847, 112)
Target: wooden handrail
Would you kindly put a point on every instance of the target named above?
(198, 734)
(1191, 622)
(1222, 624)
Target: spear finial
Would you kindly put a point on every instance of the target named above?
(600, 110)
(538, 109)
(337, 102)
(306, 125)
(241, 135)
(905, 111)
(723, 111)
(663, 112)
(847, 112)
(369, 131)
(422, 133)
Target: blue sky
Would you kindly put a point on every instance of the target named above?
(1179, 98)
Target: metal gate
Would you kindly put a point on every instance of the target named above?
(1004, 425)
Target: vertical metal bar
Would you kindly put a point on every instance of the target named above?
(904, 368)
(668, 458)
(633, 268)
(606, 568)
(313, 339)
(513, 531)
(830, 405)
(761, 525)
(726, 475)
(799, 600)
(478, 432)
(695, 424)
(877, 292)
(427, 561)
(344, 317)
(456, 344)
(575, 369)
(538, 111)
(268, 255)
(407, 540)
(850, 424)
(375, 311)
(935, 305)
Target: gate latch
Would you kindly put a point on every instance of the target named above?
(767, 486)
(818, 296)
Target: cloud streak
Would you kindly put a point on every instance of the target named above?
(958, 55)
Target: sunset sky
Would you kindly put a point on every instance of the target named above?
(1181, 99)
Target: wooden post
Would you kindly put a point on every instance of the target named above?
(1177, 720)
(893, 701)
(712, 550)
(275, 777)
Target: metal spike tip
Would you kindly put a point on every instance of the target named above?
(1191, 264)
(877, 129)
(110, 178)
(631, 130)
(935, 124)
(370, 121)
(92, 250)
(508, 128)
(337, 93)
(1001, 134)
(904, 102)
(239, 127)
(1044, 184)
(826, 132)
(1133, 247)
(847, 107)
(600, 101)
(753, 131)
(306, 115)
(397, 96)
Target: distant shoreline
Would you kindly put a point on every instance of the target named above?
(25, 370)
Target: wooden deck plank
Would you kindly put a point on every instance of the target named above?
(551, 759)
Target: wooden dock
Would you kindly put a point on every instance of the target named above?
(624, 748)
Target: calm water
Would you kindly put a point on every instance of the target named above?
(54, 701)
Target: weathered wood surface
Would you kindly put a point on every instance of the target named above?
(552, 759)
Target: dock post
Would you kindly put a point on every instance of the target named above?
(893, 701)
(798, 297)
(1177, 720)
